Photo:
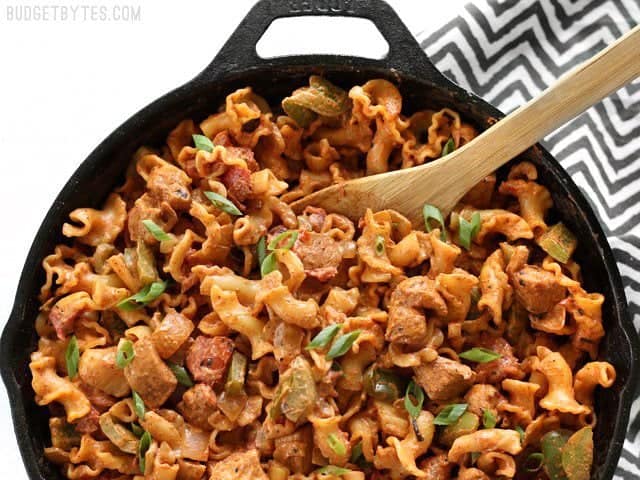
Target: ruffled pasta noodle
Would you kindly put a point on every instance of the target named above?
(222, 336)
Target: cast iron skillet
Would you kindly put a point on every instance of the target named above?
(238, 65)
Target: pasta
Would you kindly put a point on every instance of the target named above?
(196, 327)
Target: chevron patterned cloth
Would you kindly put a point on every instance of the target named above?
(509, 51)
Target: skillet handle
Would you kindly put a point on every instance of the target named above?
(239, 52)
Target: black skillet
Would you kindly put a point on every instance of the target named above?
(238, 65)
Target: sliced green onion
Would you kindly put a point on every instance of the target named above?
(534, 462)
(222, 203)
(413, 390)
(450, 414)
(379, 245)
(148, 294)
(342, 345)
(261, 249)
(449, 147)
(559, 242)
(324, 337)
(125, 353)
(480, 355)
(143, 446)
(202, 143)
(181, 374)
(336, 444)
(467, 231)
(138, 405)
(156, 231)
(356, 453)
(137, 430)
(269, 264)
(332, 470)
(429, 212)
(290, 235)
(236, 374)
(521, 432)
(488, 419)
(72, 357)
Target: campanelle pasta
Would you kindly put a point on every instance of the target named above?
(196, 327)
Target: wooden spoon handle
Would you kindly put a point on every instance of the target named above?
(443, 182)
(573, 93)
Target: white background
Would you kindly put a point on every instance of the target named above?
(65, 85)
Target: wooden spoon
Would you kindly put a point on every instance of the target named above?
(443, 182)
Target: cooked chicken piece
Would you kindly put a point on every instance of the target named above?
(239, 466)
(481, 397)
(537, 289)
(172, 332)
(411, 300)
(148, 208)
(437, 467)
(443, 378)
(170, 184)
(97, 368)
(507, 366)
(149, 376)
(294, 451)
(198, 404)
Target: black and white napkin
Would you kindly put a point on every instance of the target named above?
(507, 52)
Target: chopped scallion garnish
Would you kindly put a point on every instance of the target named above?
(203, 143)
(429, 212)
(450, 414)
(72, 357)
(324, 337)
(413, 391)
(223, 203)
(467, 231)
(156, 231)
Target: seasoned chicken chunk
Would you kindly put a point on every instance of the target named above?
(507, 366)
(239, 466)
(437, 467)
(294, 451)
(537, 289)
(97, 368)
(170, 184)
(482, 397)
(411, 300)
(443, 378)
(198, 404)
(173, 331)
(149, 376)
